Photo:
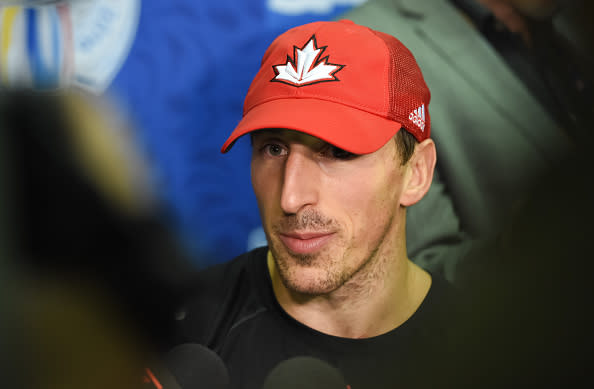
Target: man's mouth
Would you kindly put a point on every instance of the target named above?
(305, 242)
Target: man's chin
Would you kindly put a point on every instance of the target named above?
(307, 274)
(307, 281)
(307, 289)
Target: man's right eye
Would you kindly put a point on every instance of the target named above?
(274, 150)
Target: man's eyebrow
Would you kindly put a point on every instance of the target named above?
(288, 136)
(265, 136)
(265, 132)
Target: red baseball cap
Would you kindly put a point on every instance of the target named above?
(346, 84)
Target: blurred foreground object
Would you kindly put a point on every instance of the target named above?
(47, 44)
(529, 315)
(93, 272)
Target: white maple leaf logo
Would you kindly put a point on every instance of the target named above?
(306, 67)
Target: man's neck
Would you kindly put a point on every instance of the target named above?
(378, 298)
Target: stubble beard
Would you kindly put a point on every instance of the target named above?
(332, 262)
(291, 268)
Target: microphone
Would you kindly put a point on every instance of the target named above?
(188, 366)
(304, 372)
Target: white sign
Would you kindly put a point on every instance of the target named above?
(103, 31)
(50, 44)
(298, 7)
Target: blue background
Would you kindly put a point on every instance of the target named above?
(184, 82)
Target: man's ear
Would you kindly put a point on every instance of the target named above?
(419, 173)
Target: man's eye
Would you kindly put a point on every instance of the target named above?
(338, 153)
(274, 150)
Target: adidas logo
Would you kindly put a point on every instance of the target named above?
(418, 117)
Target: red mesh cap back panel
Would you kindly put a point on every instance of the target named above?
(409, 93)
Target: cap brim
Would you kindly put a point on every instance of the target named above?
(348, 128)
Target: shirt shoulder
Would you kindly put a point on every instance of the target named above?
(224, 295)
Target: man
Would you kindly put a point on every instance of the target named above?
(494, 135)
(339, 124)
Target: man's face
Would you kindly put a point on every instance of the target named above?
(326, 212)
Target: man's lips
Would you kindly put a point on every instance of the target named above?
(307, 242)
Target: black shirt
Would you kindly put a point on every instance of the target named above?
(235, 313)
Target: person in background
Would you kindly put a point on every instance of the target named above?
(512, 96)
(338, 117)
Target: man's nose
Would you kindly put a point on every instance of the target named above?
(301, 182)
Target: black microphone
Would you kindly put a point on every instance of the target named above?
(304, 372)
(188, 366)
